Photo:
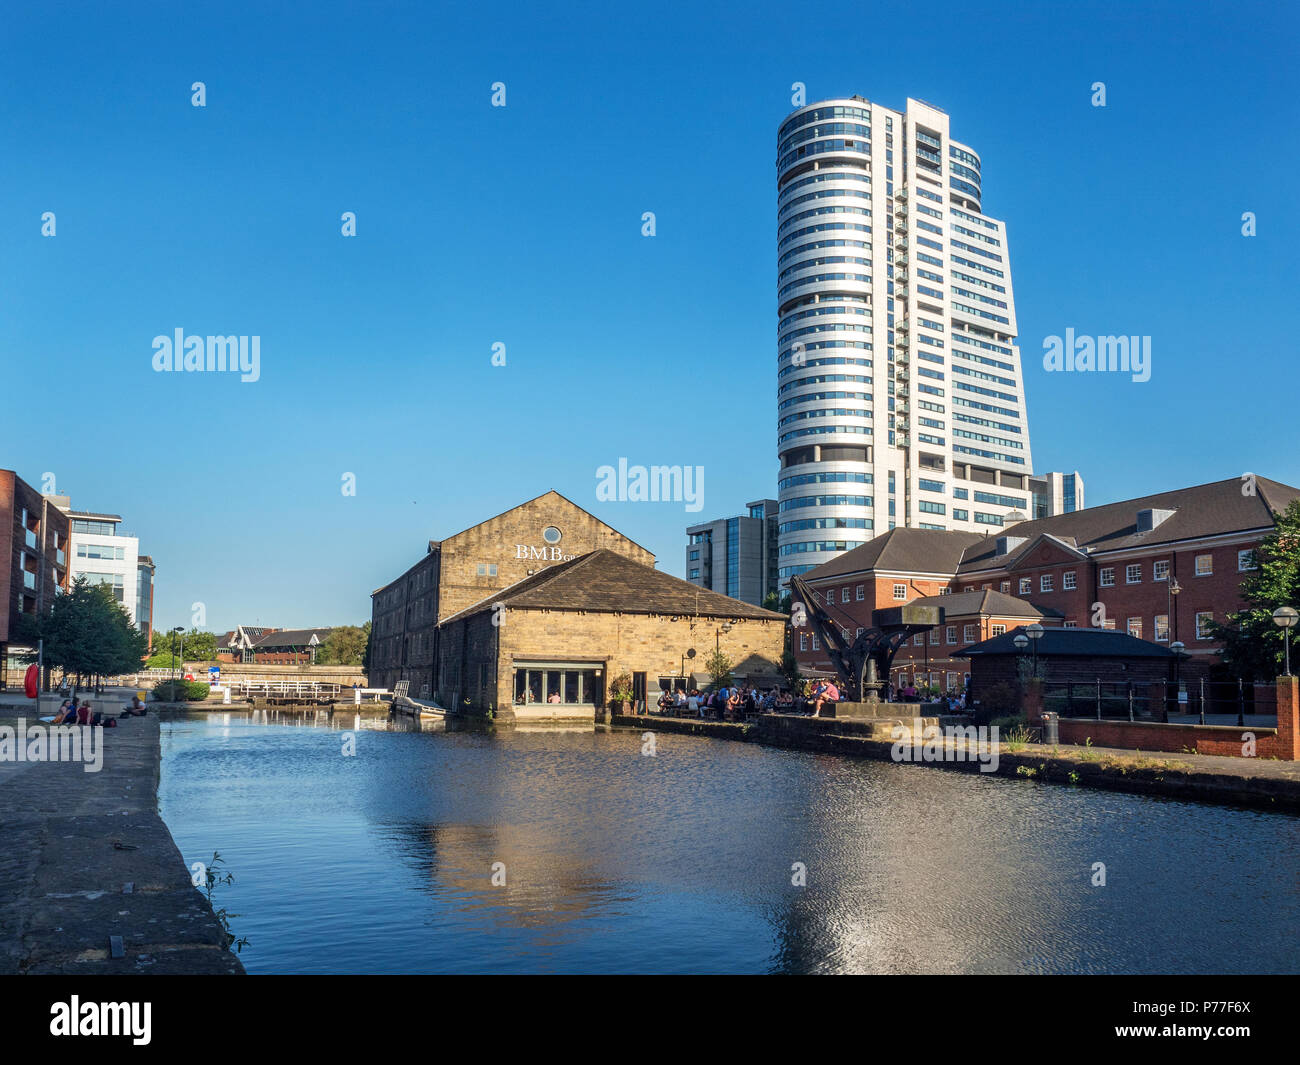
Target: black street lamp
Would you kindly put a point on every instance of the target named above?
(1177, 648)
(1285, 618)
(175, 662)
(1035, 633)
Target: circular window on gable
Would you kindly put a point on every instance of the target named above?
(551, 534)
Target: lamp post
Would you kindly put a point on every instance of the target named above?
(1177, 648)
(1035, 633)
(175, 661)
(1285, 618)
(1171, 604)
(725, 627)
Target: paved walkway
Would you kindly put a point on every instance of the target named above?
(84, 857)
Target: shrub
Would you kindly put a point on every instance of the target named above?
(192, 691)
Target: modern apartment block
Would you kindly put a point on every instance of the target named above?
(33, 567)
(736, 556)
(900, 401)
(104, 554)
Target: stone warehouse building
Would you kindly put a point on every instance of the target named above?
(470, 566)
(1159, 568)
(549, 646)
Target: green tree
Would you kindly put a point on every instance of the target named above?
(718, 666)
(345, 645)
(199, 646)
(1252, 643)
(88, 633)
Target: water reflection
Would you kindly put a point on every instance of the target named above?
(682, 862)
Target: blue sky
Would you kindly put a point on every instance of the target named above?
(522, 225)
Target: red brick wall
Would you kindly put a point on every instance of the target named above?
(1177, 739)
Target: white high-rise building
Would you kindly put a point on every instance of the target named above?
(899, 393)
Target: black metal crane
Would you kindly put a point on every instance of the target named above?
(861, 662)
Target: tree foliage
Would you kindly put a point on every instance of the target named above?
(1252, 642)
(89, 633)
(346, 645)
(718, 666)
(199, 646)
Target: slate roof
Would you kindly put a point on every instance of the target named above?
(905, 550)
(985, 601)
(604, 581)
(1204, 510)
(289, 638)
(1056, 643)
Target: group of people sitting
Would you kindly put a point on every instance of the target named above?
(731, 703)
(75, 712)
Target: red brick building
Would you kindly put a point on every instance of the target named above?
(1159, 568)
(33, 563)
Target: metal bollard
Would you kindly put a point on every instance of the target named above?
(1051, 727)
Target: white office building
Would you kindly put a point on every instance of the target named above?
(103, 553)
(899, 392)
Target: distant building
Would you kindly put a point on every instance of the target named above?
(34, 539)
(736, 556)
(104, 554)
(144, 596)
(1056, 493)
(254, 644)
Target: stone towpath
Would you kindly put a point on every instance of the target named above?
(85, 857)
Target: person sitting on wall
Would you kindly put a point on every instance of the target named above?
(825, 693)
(136, 709)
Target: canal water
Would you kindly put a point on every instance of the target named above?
(617, 861)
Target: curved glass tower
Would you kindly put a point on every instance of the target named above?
(899, 394)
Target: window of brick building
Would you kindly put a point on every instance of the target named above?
(1204, 565)
(1246, 561)
(900, 591)
(1203, 619)
(968, 633)
(998, 630)
(1106, 577)
(1026, 585)
(1069, 581)
(952, 634)
(1161, 628)
(1133, 573)
(861, 595)
(1045, 582)
(1160, 570)
(1135, 627)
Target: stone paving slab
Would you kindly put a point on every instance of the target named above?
(70, 841)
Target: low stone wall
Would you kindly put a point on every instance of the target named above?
(1229, 740)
